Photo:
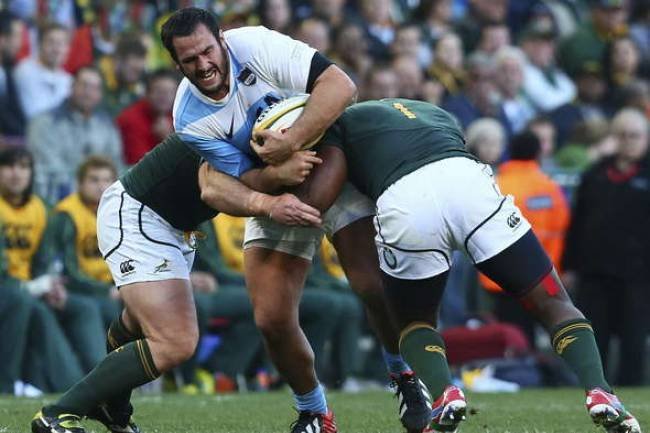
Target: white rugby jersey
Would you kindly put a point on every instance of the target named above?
(265, 66)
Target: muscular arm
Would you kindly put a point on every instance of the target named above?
(229, 195)
(319, 186)
(333, 90)
(291, 172)
(263, 180)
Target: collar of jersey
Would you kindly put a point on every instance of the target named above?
(235, 68)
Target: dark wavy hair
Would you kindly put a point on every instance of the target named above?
(183, 22)
(14, 155)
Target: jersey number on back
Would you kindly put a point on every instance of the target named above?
(405, 111)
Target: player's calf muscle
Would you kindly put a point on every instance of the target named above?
(550, 308)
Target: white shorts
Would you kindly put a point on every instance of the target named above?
(350, 206)
(139, 245)
(451, 204)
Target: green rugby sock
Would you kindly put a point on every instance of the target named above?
(118, 335)
(574, 341)
(122, 370)
(424, 350)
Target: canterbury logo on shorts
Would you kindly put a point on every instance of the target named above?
(513, 220)
(389, 258)
(127, 267)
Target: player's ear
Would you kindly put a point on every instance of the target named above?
(222, 43)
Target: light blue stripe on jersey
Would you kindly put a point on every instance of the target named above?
(192, 109)
(221, 154)
(202, 125)
(241, 138)
(233, 156)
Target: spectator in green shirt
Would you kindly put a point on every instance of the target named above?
(75, 225)
(15, 308)
(65, 335)
(588, 43)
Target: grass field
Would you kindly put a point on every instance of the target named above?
(538, 411)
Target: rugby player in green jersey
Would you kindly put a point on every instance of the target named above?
(145, 226)
(432, 198)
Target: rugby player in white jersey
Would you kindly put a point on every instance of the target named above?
(144, 230)
(230, 78)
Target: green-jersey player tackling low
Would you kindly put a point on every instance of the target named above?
(433, 197)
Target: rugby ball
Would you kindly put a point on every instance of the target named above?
(281, 115)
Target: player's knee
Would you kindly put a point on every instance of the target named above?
(275, 324)
(175, 345)
(177, 353)
(186, 348)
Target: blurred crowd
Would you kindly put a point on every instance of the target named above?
(553, 94)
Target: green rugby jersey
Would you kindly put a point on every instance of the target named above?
(166, 180)
(387, 139)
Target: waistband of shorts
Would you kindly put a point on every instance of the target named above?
(429, 166)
